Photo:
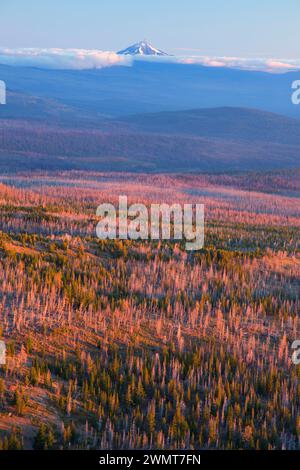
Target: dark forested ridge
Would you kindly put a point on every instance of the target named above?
(207, 140)
(153, 86)
(150, 116)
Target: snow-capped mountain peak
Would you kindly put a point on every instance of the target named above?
(142, 48)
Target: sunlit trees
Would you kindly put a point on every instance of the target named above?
(131, 344)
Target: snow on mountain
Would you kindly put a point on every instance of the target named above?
(142, 48)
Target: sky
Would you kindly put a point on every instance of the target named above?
(211, 28)
(216, 27)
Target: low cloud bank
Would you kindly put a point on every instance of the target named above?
(258, 64)
(62, 58)
(92, 58)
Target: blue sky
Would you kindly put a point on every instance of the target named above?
(245, 28)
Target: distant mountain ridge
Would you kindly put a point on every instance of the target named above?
(228, 123)
(147, 86)
(205, 140)
(154, 115)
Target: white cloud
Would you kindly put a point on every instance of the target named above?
(255, 64)
(93, 58)
(62, 58)
(262, 64)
